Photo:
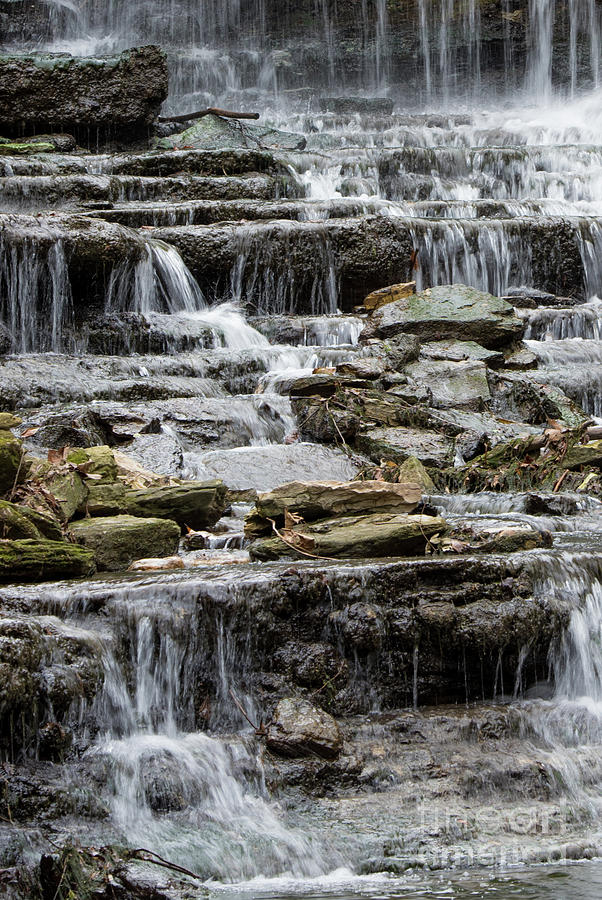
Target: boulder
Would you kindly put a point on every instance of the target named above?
(15, 523)
(398, 443)
(11, 456)
(118, 94)
(47, 525)
(450, 312)
(42, 560)
(351, 537)
(517, 396)
(195, 504)
(8, 421)
(401, 349)
(320, 499)
(389, 295)
(107, 499)
(583, 455)
(216, 133)
(63, 487)
(119, 540)
(300, 729)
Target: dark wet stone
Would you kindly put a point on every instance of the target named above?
(120, 94)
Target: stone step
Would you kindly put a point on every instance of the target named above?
(40, 192)
(307, 267)
(209, 163)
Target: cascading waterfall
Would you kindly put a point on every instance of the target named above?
(35, 292)
(226, 48)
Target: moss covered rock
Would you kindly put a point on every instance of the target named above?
(352, 537)
(196, 504)
(97, 462)
(11, 453)
(7, 421)
(454, 312)
(412, 470)
(42, 560)
(107, 499)
(65, 488)
(119, 540)
(15, 523)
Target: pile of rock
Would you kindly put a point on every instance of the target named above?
(444, 378)
(329, 520)
(82, 510)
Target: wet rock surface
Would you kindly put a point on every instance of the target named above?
(126, 700)
(116, 95)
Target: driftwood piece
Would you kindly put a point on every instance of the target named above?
(212, 111)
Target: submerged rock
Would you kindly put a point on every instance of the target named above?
(119, 540)
(351, 105)
(447, 312)
(121, 94)
(300, 729)
(43, 560)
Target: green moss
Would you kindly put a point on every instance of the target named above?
(119, 540)
(11, 453)
(15, 523)
(35, 560)
(96, 461)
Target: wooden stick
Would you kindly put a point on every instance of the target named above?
(212, 111)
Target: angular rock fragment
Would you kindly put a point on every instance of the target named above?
(300, 729)
(119, 540)
(196, 504)
(450, 312)
(42, 560)
(315, 500)
(351, 537)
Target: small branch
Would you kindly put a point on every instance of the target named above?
(212, 111)
(157, 860)
(298, 549)
(261, 729)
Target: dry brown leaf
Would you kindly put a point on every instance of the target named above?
(299, 541)
(29, 432)
(58, 456)
(291, 519)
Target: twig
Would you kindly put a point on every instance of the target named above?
(212, 111)
(298, 549)
(259, 729)
(159, 861)
(560, 481)
(327, 683)
(20, 466)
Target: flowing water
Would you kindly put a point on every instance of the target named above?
(488, 176)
